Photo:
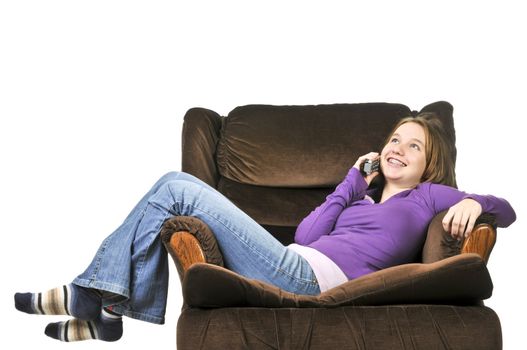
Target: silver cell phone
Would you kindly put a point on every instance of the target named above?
(369, 166)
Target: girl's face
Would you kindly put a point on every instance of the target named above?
(403, 159)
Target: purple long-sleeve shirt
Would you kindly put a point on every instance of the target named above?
(362, 237)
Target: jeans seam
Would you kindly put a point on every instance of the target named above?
(141, 260)
(100, 255)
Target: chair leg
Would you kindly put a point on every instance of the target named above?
(481, 241)
(186, 248)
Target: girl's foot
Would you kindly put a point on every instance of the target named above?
(108, 326)
(79, 302)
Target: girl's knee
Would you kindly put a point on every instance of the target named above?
(179, 179)
(168, 177)
(174, 175)
(178, 175)
(171, 175)
(179, 191)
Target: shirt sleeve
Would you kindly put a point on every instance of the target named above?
(322, 220)
(443, 197)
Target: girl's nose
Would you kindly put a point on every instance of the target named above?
(397, 149)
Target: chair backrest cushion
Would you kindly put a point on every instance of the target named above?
(301, 146)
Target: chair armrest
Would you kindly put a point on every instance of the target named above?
(482, 239)
(461, 279)
(189, 240)
(440, 244)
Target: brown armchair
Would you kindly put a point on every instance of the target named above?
(277, 163)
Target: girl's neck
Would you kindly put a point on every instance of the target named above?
(391, 189)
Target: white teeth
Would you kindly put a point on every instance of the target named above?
(396, 162)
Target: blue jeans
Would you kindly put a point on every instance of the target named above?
(132, 264)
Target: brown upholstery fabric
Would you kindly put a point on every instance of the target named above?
(275, 205)
(201, 130)
(394, 327)
(465, 275)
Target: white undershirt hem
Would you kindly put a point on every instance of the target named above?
(328, 274)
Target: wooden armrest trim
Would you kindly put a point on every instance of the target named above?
(481, 241)
(187, 249)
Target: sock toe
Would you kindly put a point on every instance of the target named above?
(23, 302)
(112, 331)
(52, 330)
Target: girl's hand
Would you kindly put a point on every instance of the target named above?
(370, 156)
(461, 217)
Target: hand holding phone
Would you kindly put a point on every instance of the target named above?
(368, 165)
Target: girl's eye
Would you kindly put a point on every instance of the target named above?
(395, 140)
(415, 146)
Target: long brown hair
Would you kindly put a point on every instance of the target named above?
(439, 149)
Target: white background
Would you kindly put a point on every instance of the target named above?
(92, 96)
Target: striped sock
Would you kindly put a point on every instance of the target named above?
(79, 302)
(108, 326)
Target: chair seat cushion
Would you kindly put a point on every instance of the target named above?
(459, 279)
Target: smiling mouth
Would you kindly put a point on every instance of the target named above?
(396, 162)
